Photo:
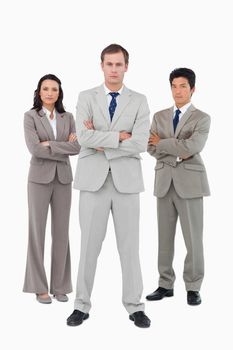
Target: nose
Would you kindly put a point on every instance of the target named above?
(113, 68)
(178, 91)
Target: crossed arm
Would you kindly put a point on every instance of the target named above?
(53, 150)
(171, 148)
(114, 144)
(123, 135)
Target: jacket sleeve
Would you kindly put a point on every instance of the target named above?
(153, 151)
(139, 139)
(185, 148)
(66, 147)
(33, 142)
(92, 138)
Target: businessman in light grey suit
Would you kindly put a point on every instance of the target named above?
(112, 129)
(178, 135)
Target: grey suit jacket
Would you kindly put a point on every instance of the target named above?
(131, 115)
(45, 160)
(189, 176)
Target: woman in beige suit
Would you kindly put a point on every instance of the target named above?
(50, 137)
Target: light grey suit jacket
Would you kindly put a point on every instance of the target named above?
(189, 176)
(131, 115)
(45, 160)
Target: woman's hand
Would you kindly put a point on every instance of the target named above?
(72, 137)
(45, 143)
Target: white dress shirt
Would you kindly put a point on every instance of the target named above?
(109, 97)
(182, 109)
(53, 122)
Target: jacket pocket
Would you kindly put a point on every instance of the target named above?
(195, 167)
(36, 161)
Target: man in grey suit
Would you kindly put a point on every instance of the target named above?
(113, 129)
(178, 135)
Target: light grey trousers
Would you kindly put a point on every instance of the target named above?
(94, 210)
(190, 212)
(40, 196)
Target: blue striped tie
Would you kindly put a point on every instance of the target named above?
(176, 119)
(113, 104)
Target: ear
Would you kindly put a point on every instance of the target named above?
(102, 65)
(192, 90)
(126, 67)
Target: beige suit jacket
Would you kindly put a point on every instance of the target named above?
(46, 160)
(131, 115)
(189, 177)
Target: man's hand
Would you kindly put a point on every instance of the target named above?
(72, 137)
(123, 135)
(45, 143)
(154, 139)
(89, 124)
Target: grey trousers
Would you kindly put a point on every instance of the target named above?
(40, 196)
(190, 212)
(94, 210)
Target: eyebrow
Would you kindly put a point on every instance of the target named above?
(108, 62)
(182, 84)
(47, 87)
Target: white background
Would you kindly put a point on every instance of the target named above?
(66, 38)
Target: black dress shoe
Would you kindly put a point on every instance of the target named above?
(76, 318)
(160, 293)
(193, 298)
(140, 319)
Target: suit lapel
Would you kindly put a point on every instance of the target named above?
(122, 102)
(170, 127)
(101, 99)
(184, 119)
(60, 125)
(46, 124)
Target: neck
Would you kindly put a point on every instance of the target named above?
(182, 104)
(50, 108)
(114, 87)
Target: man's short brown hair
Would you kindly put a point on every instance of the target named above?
(114, 48)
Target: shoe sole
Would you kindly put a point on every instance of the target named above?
(77, 324)
(194, 304)
(61, 301)
(167, 295)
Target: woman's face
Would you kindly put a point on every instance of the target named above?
(49, 92)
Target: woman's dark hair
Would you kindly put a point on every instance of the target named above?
(37, 103)
(184, 73)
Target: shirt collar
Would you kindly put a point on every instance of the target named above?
(182, 109)
(47, 112)
(107, 91)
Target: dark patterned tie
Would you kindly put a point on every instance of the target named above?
(113, 104)
(176, 119)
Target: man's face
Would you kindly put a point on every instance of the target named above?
(181, 91)
(114, 68)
